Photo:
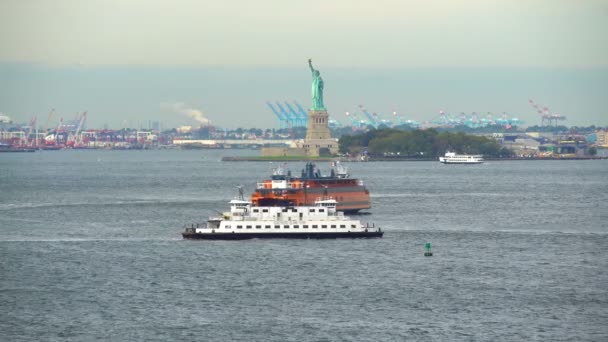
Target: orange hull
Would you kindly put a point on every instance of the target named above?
(350, 195)
(284, 189)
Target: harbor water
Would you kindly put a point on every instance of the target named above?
(90, 249)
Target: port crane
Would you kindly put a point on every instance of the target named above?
(442, 120)
(398, 118)
(282, 119)
(355, 121)
(48, 119)
(401, 121)
(289, 114)
(546, 115)
(352, 120)
(292, 120)
(26, 135)
(299, 119)
(302, 112)
(371, 118)
(76, 139)
(54, 140)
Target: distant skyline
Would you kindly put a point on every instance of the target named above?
(134, 61)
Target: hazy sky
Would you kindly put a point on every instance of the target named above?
(122, 60)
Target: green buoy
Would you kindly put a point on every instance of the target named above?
(428, 252)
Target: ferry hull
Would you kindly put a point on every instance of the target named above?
(350, 198)
(284, 190)
(461, 163)
(246, 236)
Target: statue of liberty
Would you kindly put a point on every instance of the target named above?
(317, 88)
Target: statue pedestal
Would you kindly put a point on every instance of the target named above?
(320, 147)
(318, 136)
(318, 125)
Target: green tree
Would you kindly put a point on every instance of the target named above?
(592, 151)
(419, 143)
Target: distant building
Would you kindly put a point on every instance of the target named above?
(602, 138)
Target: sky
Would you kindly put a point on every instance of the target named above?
(131, 61)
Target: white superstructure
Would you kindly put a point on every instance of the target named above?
(247, 221)
(453, 158)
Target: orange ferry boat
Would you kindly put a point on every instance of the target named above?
(283, 189)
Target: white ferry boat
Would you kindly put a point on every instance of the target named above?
(245, 221)
(453, 158)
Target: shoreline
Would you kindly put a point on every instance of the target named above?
(279, 159)
(372, 159)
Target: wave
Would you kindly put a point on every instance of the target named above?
(13, 206)
(435, 194)
(90, 239)
(515, 231)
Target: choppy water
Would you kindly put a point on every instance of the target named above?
(90, 249)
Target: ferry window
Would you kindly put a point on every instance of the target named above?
(305, 226)
(227, 226)
(284, 210)
(239, 227)
(276, 226)
(324, 226)
(353, 226)
(312, 210)
(264, 210)
(333, 226)
(248, 227)
(294, 210)
(258, 226)
(315, 226)
(342, 226)
(255, 210)
(267, 226)
(296, 226)
(286, 226)
(321, 210)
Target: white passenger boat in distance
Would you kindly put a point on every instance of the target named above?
(244, 221)
(453, 158)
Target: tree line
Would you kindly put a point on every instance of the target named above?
(427, 143)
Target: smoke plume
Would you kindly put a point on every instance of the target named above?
(182, 109)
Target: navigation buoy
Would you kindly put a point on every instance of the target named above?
(428, 252)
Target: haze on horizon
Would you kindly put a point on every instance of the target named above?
(135, 60)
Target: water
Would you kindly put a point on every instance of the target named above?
(90, 249)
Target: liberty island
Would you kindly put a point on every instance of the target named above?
(318, 141)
